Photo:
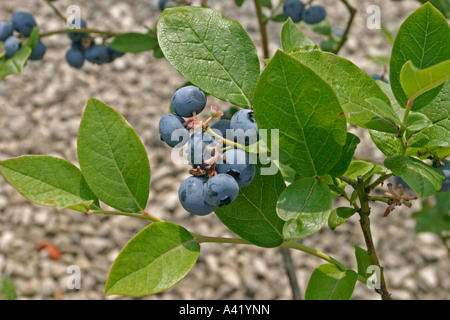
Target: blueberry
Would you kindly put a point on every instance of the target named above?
(445, 170)
(293, 9)
(197, 151)
(77, 37)
(12, 45)
(338, 32)
(220, 190)
(165, 4)
(314, 14)
(244, 125)
(75, 58)
(172, 124)
(221, 126)
(23, 22)
(187, 100)
(190, 195)
(237, 165)
(6, 30)
(113, 54)
(38, 51)
(97, 54)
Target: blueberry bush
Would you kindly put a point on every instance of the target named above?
(271, 169)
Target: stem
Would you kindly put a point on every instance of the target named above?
(87, 31)
(225, 141)
(58, 13)
(348, 180)
(379, 181)
(364, 221)
(144, 215)
(290, 271)
(262, 29)
(298, 246)
(352, 12)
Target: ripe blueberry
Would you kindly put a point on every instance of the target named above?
(6, 30)
(75, 58)
(12, 45)
(293, 9)
(220, 190)
(97, 54)
(38, 51)
(314, 14)
(187, 100)
(74, 36)
(172, 124)
(244, 125)
(191, 198)
(197, 151)
(237, 165)
(23, 22)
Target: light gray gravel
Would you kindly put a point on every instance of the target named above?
(40, 112)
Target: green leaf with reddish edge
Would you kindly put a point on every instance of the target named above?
(157, 258)
(49, 181)
(113, 159)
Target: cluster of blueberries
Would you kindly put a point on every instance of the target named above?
(297, 11)
(23, 23)
(83, 48)
(217, 173)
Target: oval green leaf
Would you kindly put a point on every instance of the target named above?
(305, 206)
(49, 181)
(134, 42)
(113, 159)
(154, 260)
(293, 99)
(253, 216)
(213, 52)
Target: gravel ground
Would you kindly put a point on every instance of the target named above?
(40, 112)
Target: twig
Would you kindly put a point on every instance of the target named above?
(58, 13)
(352, 12)
(262, 29)
(364, 221)
(290, 271)
(86, 31)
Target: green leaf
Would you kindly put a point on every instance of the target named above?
(323, 27)
(347, 155)
(239, 3)
(416, 82)
(363, 261)
(420, 177)
(327, 282)
(353, 87)
(214, 53)
(49, 181)
(266, 3)
(305, 206)
(134, 42)
(339, 215)
(417, 121)
(253, 216)
(113, 159)
(441, 5)
(292, 38)
(434, 218)
(293, 99)
(16, 63)
(361, 168)
(423, 38)
(436, 135)
(157, 258)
